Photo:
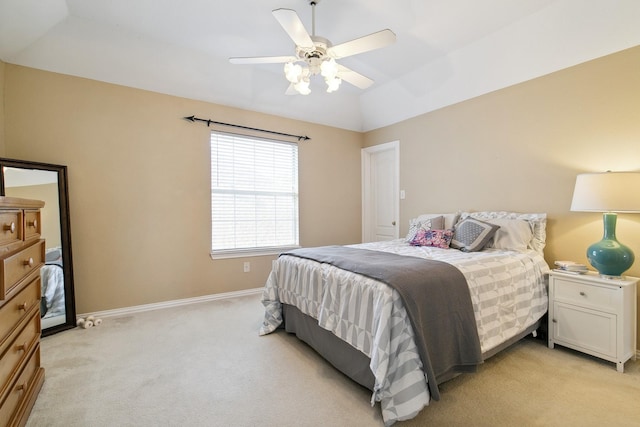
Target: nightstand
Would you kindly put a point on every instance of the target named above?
(594, 315)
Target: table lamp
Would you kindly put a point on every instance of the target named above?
(611, 193)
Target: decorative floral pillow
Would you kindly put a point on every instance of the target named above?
(428, 223)
(436, 238)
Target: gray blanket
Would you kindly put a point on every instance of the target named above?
(436, 297)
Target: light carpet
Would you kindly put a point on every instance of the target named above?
(205, 365)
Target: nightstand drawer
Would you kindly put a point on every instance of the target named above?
(586, 295)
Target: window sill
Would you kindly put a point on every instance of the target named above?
(245, 253)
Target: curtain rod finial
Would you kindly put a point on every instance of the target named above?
(190, 118)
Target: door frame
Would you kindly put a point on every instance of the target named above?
(367, 211)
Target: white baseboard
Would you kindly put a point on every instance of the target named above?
(168, 304)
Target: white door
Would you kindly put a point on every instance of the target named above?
(380, 183)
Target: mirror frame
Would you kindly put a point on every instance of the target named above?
(65, 235)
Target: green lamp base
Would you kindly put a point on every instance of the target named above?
(608, 256)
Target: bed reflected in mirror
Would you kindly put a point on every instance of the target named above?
(47, 182)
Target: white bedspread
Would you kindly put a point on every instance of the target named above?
(53, 289)
(507, 291)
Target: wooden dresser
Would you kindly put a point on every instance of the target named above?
(21, 256)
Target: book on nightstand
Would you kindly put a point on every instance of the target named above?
(571, 267)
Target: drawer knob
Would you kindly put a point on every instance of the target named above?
(29, 262)
(33, 223)
(23, 306)
(583, 294)
(10, 227)
(21, 387)
(22, 347)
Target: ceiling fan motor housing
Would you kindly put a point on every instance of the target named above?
(314, 57)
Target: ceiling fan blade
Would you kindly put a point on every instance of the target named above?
(291, 90)
(356, 79)
(263, 60)
(292, 24)
(363, 44)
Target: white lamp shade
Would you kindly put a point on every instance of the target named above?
(607, 192)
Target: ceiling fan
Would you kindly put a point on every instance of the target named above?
(316, 55)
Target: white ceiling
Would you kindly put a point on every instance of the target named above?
(446, 50)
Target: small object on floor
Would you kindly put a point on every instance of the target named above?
(89, 322)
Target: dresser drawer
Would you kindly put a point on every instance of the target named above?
(10, 227)
(586, 295)
(15, 355)
(14, 311)
(19, 265)
(18, 392)
(32, 225)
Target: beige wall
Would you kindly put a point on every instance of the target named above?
(2, 68)
(521, 148)
(140, 188)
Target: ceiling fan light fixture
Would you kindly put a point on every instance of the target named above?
(293, 72)
(329, 68)
(333, 84)
(302, 87)
(317, 55)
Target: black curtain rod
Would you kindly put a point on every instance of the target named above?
(209, 122)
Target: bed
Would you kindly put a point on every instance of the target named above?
(365, 325)
(52, 304)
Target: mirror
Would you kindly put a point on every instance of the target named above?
(46, 182)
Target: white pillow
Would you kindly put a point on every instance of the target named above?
(450, 219)
(538, 222)
(513, 234)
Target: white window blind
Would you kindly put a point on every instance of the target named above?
(254, 195)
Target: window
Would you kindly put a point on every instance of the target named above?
(254, 195)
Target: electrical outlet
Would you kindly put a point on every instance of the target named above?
(246, 267)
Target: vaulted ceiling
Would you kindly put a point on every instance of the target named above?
(446, 51)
